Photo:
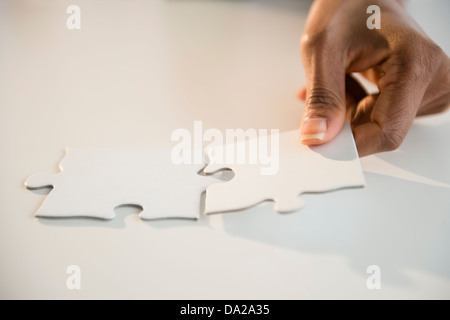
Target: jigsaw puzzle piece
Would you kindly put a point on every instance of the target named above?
(94, 181)
(328, 167)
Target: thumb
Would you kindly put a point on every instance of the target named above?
(325, 111)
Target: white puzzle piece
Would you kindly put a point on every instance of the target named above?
(93, 181)
(327, 167)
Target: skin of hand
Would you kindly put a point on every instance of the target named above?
(411, 71)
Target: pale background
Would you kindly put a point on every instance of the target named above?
(136, 71)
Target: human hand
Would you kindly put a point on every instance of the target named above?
(411, 71)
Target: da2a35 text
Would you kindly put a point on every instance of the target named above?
(246, 309)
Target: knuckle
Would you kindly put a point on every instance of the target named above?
(321, 101)
(391, 139)
(313, 40)
(394, 127)
(421, 56)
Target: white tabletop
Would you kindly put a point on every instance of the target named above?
(136, 71)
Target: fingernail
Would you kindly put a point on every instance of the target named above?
(313, 130)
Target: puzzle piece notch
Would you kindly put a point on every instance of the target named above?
(334, 165)
(41, 180)
(94, 181)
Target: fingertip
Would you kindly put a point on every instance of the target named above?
(317, 130)
(311, 142)
(313, 130)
